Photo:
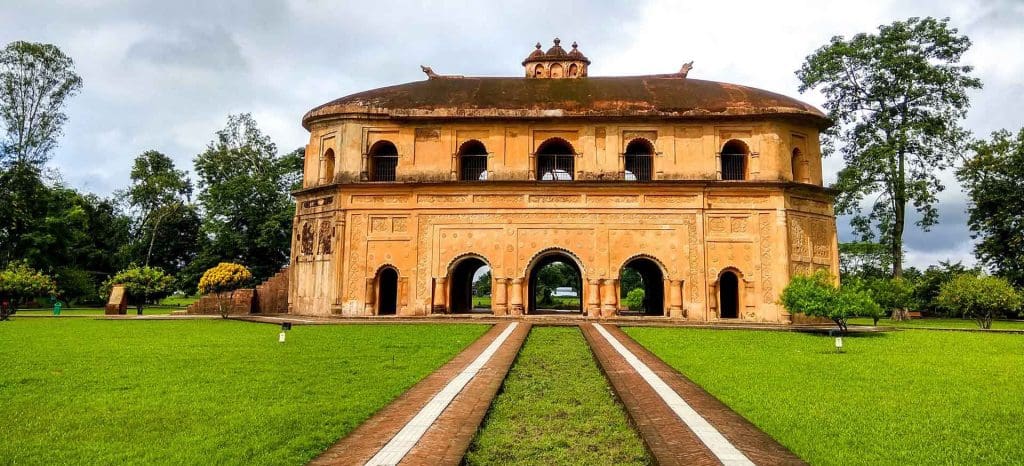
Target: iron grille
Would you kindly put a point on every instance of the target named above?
(473, 168)
(384, 168)
(555, 167)
(733, 166)
(639, 167)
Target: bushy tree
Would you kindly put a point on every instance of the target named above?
(897, 97)
(635, 299)
(980, 297)
(20, 283)
(629, 280)
(222, 281)
(992, 178)
(142, 285)
(75, 285)
(482, 285)
(245, 197)
(864, 259)
(159, 192)
(928, 285)
(894, 295)
(816, 295)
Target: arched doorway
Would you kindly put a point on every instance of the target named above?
(556, 160)
(728, 295)
(644, 274)
(327, 176)
(469, 286)
(387, 291)
(472, 161)
(639, 160)
(555, 285)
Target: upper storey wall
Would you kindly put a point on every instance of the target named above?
(343, 150)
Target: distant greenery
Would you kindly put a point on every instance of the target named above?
(84, 391)
(556, 407)
(896, 398)
(19, 283)
(943, 322)
(980, 297)
(142, 285)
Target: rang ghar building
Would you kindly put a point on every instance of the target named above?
(711, 192)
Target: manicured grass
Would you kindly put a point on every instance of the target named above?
(95, 311)
(556, 408)
(84, 391)
(482, 302)
(178, 300)
(893, 398)
(939, 322)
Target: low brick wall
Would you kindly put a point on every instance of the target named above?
(269, 297)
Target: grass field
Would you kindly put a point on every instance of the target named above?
(556, 408)
(940, 322)
(83, 391)
(893, 398)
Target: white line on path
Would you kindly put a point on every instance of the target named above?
(413, 431)
(724, 450)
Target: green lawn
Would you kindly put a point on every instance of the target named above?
(96, 311)
(86, 391)
(940, 322)
(556, 408)
(482, 302)
(892, 398)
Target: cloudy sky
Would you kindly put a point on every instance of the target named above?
(165, 74)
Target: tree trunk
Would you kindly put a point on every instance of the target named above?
(152, 239)
(899, 220)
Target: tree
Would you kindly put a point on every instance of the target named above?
(630, 280)
(928, 285)
(897, 98)
(635, 299)
(482, 285)
(142, 285)
(245, 198)
(35, 81)
(893, 295)
(864, 259)
(981, 298)
(992, 178)
(222, 281)
(158, 191)
(816, 295)
(19, 283)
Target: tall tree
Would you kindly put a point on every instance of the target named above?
(897, 98)
(35, 81)
(245, 197)
(992, 177)
(158, 191)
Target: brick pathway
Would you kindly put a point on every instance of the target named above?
(679, 421)
(439, 416)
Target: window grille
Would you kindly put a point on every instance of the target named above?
(555, 167)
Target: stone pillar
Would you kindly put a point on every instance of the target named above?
(403, 296)
(371, 296)
(609, 303)
(593, 298)
(515, 300)
(499, 297)
(675, 294)
(440, 304)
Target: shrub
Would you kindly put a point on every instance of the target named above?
(981, 298)
(18, 283)
(222, 281)
(635, 299)
(817, 296)
(894, 295)
(76, 285)
(142, 285)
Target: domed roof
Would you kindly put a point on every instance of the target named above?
(655, 96)
(556, 50)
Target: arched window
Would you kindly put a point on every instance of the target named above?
(538, 72)
(639, 161)
(734, 160)
(556, 70)
(327, 173)
(383, 161)
(574, 70)
(800, 171)
(556, 160)
(472, 161)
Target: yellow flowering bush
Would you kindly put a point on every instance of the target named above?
(223, 280)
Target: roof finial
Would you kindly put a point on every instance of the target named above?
(538, 46)
(574, 44)
(558, 41)
(685, 70)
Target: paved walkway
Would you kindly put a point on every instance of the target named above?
(679, 421)
(435, 421)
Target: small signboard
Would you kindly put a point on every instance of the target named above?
(118, 302)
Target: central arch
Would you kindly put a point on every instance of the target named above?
(556, 160)
(462, 285)
(566, 293)
(651, 277)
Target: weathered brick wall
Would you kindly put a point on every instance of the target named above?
(272, 295)
(269, 297)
